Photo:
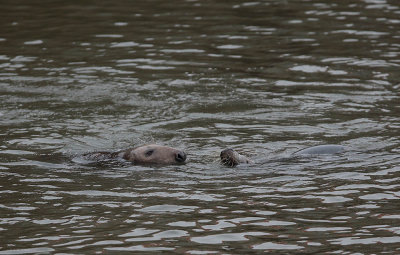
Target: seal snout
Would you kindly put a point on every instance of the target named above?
(229, 158)
(180, 156)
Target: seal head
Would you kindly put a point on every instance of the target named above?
(155, 154)
(231, 158)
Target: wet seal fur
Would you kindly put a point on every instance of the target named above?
(231, 158)
(142, 155)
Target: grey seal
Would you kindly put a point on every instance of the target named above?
(230, 157)
(145, 154)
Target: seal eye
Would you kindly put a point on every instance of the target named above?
(149, 153)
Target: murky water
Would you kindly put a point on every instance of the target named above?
(265, 77)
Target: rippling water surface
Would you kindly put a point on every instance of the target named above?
(266, 77)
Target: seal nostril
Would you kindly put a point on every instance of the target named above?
(180, 156)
